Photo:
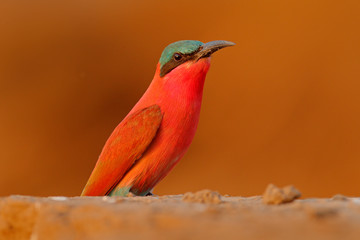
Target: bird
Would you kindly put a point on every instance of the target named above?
(159, 129)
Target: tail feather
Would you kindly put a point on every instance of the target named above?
(120, 191)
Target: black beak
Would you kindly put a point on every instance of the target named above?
(209, 48)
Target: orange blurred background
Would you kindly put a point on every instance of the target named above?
(282, 106)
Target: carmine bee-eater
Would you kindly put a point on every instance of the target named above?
(158, 130)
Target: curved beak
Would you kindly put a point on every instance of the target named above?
(209, 48)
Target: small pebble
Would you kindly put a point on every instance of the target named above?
(276, 195)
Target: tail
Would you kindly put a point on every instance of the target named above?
(120, 191)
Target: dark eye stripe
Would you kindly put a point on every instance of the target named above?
(170, 65)
(173, 63)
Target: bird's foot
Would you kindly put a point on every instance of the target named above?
(150, 194)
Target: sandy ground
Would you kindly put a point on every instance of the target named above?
(201, 215)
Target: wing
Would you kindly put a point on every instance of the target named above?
(125, 145)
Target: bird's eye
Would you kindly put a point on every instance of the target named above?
(177, 56)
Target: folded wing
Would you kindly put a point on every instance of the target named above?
(127, 143)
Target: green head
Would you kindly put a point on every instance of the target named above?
(183, 47)
(180, 52)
